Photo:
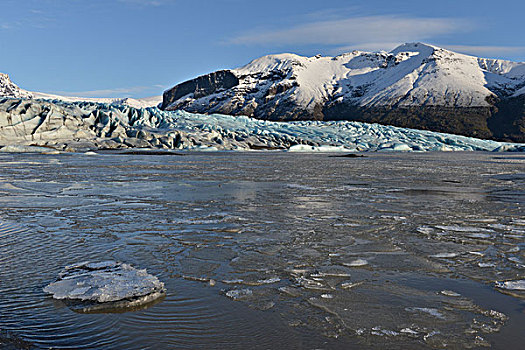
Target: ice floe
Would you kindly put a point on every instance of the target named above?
(450, 293)
(348, 285)
(114, 284)
(270, 280)
(426, 310)
(511, 285)
(356, 263)
(444, 255)
(237, 294)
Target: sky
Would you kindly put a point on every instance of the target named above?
(139, 48)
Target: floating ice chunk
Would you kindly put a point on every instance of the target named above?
(425, 229)
(431, 334)
(269, 280)
(463, 228)
(515, 260)
(496, 314)
(205, 148)
(393, 217)
(310, 283)
(444, 255)
(477, 253)
(511, 285)
(300, 187)
(356, 263)
(484, 265)
(478, 235)
(323, 149)
(360, 331)
(210, 281)
(409, 331)
(348, 285)
(293, 292)
(520, 222)
(506, 148)
(235, 281)
(382, 332)
(430, 311)
(450, 293)
(237, 294)
(330, 274)
(105, 282)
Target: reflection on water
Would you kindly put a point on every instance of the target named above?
(305, 251)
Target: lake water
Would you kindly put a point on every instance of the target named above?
(269, 250)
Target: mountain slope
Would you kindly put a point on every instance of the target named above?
(10, 89)
(415, 85)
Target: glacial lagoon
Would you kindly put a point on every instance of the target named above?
(270, 249)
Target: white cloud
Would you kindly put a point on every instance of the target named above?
(487, 50)
(10, 25)
(144, 2)
(120, 92)
(372, 46)
(362, 32)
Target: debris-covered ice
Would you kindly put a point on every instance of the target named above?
(106, 282)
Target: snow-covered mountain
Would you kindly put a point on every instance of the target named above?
(414, 85)
(10, 89)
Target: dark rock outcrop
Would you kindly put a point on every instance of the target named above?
(507, 123)
(201, 86)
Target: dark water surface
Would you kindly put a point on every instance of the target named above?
(270, 250)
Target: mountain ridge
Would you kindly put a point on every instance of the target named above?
(414, 85)
(10, 89)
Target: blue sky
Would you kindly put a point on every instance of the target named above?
(138, 48)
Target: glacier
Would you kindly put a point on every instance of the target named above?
(88, 126)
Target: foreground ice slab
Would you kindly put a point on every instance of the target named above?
(107, 284)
